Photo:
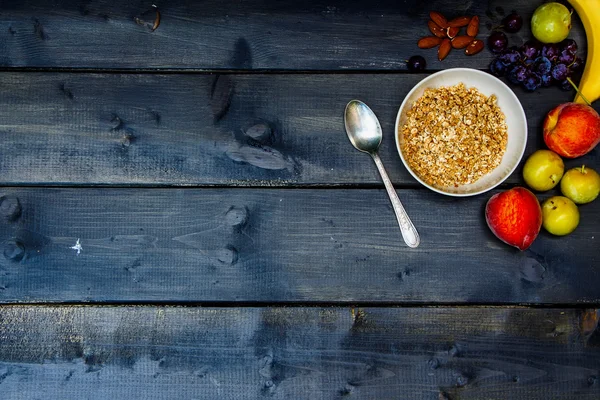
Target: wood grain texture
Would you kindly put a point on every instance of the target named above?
(269, 245)
(248, 130)
(274, 34)
(150, 353)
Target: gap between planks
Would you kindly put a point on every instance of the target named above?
(301, 186)
(213, 71)
(341, 304)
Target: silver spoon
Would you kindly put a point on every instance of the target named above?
(364, 132)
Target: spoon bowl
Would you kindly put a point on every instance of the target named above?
(362, 127)
(364, 132)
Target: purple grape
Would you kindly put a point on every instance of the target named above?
(529, 63)
(522, 74)
(546, 80)
(569, 45)
(559, 72)
(512, 22)
(531, 48)
(566, 57)
(512, 76)
(510, 56)
(565, 85)
(550, 51)
(497, 68)
(416, 64)
(518, 74)
(542, 65)
(532, 82)
(497, 41)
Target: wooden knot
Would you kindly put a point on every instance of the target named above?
(126, 140)
(149, 18)
(10, 207)
(454, 351)
(14, 250)
(433, 363)
(347, 390)
(462, 380)
(236, 216)
(260, 132)
(443, 396)
(269, 388)
(265, 365)
(227, 255)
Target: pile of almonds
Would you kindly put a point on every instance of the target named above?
(446, 35)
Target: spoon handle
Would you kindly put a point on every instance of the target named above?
(409, 232)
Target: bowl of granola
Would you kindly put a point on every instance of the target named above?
(461, 132)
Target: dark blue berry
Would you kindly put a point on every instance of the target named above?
(497, 68)
(512, 77)
(542, 65)
(518, 74)
(546, 80)
(510, 56)
(532, 82)
(416, 64)
(559, 72)
(565, 85)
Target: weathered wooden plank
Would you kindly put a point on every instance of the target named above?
(296, 353)
(275, 34)
(196, 129)
(309, 245)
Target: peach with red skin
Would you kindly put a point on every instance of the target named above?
(515, 217)
(572, 130)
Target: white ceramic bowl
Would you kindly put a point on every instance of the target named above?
(508, 103)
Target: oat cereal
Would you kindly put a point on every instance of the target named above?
(453, 136)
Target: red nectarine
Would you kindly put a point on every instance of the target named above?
(514, 216)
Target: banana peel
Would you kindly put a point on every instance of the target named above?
(589, 13)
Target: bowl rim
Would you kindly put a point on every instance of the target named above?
(468, 71)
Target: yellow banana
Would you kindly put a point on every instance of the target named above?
(589, 13)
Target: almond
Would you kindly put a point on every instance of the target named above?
(475, 47)
(452, 32)
(436, 30)
(460, 42)
(444, 49)
(459, 22)
(473, 27)
(439, 19)
(428, 42)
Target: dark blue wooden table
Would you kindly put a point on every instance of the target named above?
(183, 216)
